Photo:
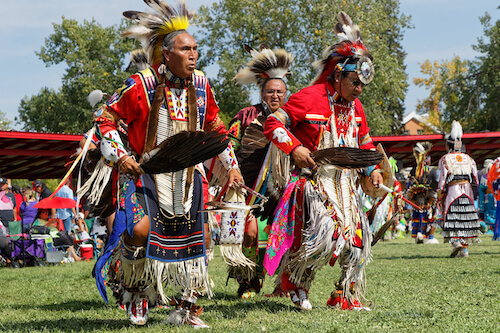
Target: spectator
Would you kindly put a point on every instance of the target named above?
(66, 214)
(4, 243)
(41, 189)
(7, 204)
(19, 199)
(81, 228)
(58, 237)
(12, 197)
(27, 210)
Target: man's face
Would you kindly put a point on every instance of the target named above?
(38, 189)
(4, 187)
(274, 93)
(182, 58)
(350, 86)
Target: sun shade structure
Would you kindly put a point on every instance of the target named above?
(28, 155)
(479, 146)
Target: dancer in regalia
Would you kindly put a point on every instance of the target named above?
(458, 173)
(268, 69)
(164, 241)
(422, 192)
(487, 204)
(320, 218)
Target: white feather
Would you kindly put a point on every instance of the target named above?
(419, 148)
(137, 31)
(277, 72)
(456, 130)
(245, 76)
(95, 97)
(267, 53)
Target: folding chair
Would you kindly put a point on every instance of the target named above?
(24, 248)
(98, 232)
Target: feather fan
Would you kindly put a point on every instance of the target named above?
(183, 150)
(347, 157)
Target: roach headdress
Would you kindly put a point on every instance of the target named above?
(152, 26)
(348, 55)
(265, 64)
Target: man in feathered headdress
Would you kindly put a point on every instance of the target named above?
(457, 174)
(422, 192)
(268, 69)
(325, 217)
(164, 243)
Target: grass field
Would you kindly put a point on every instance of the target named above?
(414, 288)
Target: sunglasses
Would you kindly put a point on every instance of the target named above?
(356, 83)
(272, 92)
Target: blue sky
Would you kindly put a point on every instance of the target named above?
(443, 28)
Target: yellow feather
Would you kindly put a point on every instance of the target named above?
(176, 23)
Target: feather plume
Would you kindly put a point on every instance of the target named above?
(265, 64)
(345, 29)
(95, 97)
(183, 150)
(347, 157)
(140, 59)
(456, 131)
(349, 44)
(153, 26)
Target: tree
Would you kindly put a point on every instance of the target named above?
(465, 90)
(447, 88)
(305, 28)
(487, 75)
(4, 122)
(95, 59)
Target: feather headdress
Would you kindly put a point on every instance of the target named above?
(455, 137)
(421, 150)
(265, 64)
(154, 25)
(348, 54)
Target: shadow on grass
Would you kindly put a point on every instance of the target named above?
(69, 325)
(65, 306)
(416, 256)
(231, 306)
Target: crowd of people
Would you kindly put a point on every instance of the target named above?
(19, 212)
(289, 204)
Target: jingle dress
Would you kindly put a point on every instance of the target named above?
(460, 219)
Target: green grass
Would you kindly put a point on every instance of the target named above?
(414, 288)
